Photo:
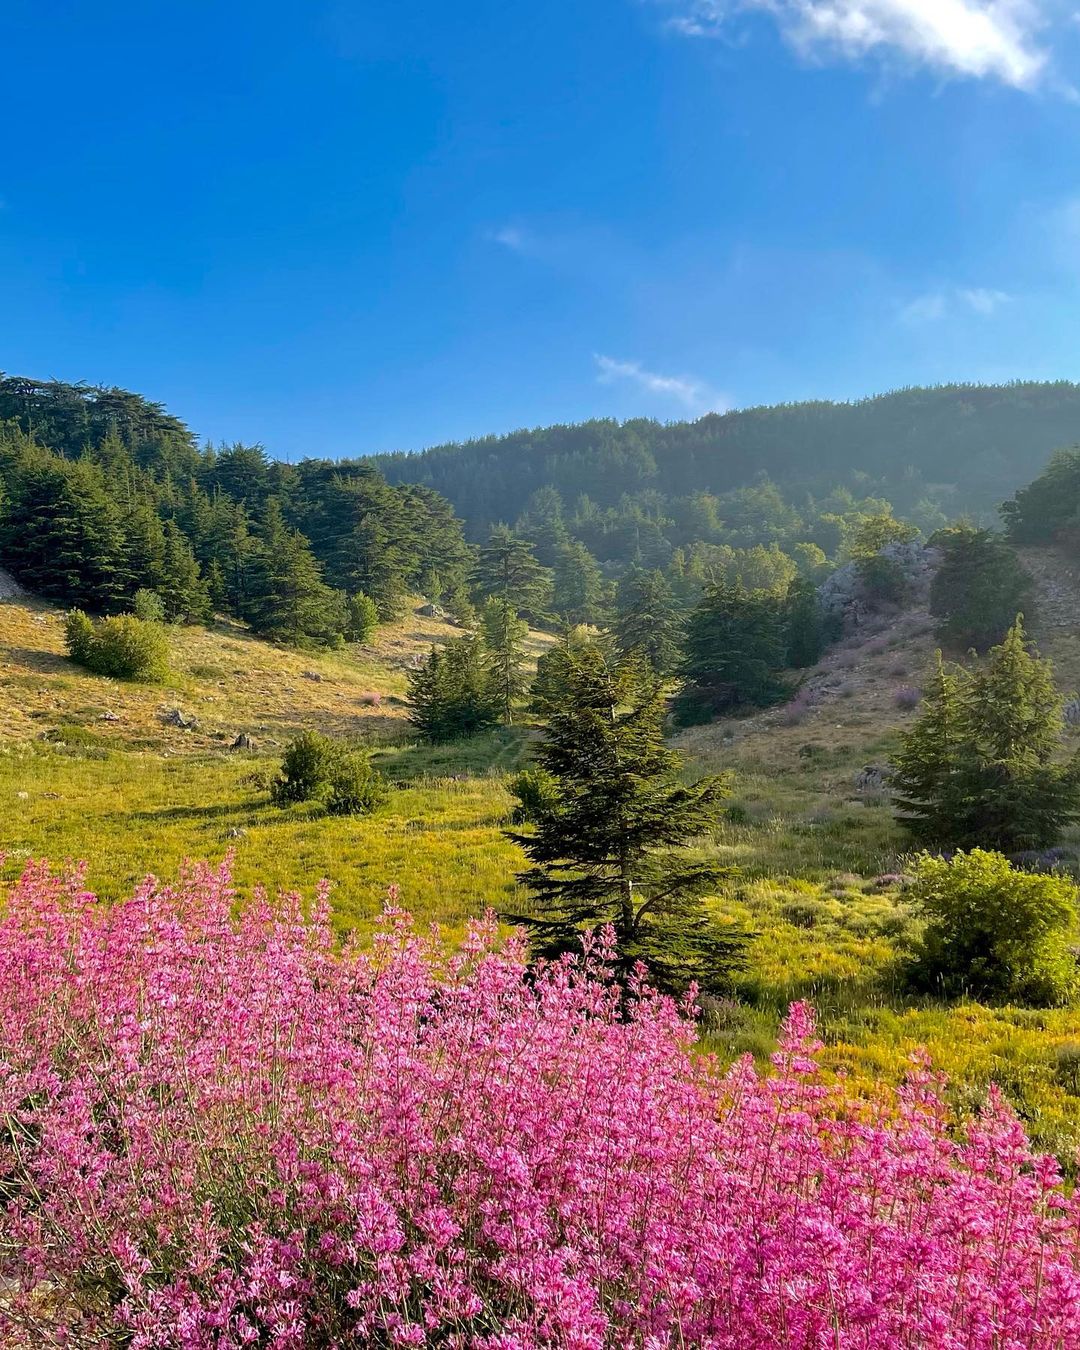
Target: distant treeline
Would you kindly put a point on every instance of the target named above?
(933, 453)
(104, 493)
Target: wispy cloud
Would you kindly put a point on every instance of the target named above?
(511, 237)
(984, 39)
(694, 395)
(983, 301)
(943, 304)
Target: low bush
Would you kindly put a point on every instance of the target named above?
(318, 769)
(148, 606)
(992, 931)
(124, 647)
(221, 1129)
(537, 794)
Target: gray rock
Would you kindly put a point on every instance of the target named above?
(243, 742)
(432, 612)
(108, 717)
(872, 778)
(312, 675)
(175, 717)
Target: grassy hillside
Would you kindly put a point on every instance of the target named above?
(810, 826)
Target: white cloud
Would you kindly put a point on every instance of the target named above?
(995, 39)
(695, 395)
(937, 305)
(983, 301)
(925, 308)
(509, 236)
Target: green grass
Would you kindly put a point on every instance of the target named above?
(439, 839)
(132, 795)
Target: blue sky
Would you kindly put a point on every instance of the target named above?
(344, 227)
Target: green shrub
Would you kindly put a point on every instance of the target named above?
(537, 794)
(992, 931)
(317, 769)
(148, 606)
(361, 618)
(123, 647)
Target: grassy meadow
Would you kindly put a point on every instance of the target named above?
(93, 770)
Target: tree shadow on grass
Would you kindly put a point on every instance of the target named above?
(41, 663)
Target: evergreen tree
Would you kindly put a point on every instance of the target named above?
(927, 774)
(648, 622)
(1021, 798)
(507, 568)
(804, 625)
(362, 618)
(610, 840)
(183, 591)
(450, 696)
(979, 588)
(290, 602)
(733, 653)
(504, 634)
(63, 536)
(578, 587)
(979, 768)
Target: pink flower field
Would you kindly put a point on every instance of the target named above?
(219, 1129)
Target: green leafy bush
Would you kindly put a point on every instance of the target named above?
(992, 931)
(124, 647)
(148, 606)
(317, 769)
(537, 794)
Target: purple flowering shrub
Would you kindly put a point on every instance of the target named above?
(220, 1129)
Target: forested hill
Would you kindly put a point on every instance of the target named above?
(103, 494)
(930, 452)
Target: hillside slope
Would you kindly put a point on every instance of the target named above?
(968, 446)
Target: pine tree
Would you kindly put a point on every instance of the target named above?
(980, 767)
(289, 601)
(610, 844)
(183, 591)
(804, 625)
(927, 776)
(450, 696)
(1021, 798)
(507, 568)
(578, 587)
(362, 618)
(648, 622)
(733, 653)
(978, 589)
(504, 634)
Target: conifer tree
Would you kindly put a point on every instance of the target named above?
(804, 624)
(504, 634)
(577, 585)
(980, 768)
(450, 696)
(648, 622)
(610, 841)
(927, 777)
(362, 618)
(1021, 798)
(733, 653)
(290, 601)
(507, 568)
(978, 589)
(183, 591)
